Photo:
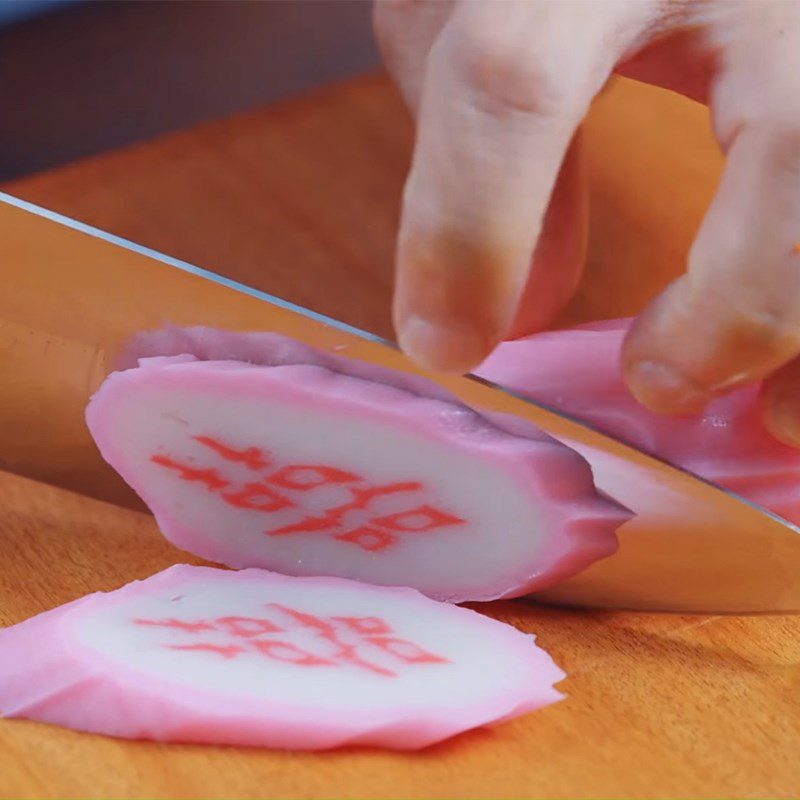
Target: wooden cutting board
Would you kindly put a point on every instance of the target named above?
(301, 200)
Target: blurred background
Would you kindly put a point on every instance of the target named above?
(126, 115)
(81, 76)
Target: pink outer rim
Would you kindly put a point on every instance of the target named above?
(90, 681)
(569, 552)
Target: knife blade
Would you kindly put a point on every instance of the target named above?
(73, 295)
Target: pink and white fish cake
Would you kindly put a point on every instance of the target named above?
(196, 654)
(579, 371)
(304, 470)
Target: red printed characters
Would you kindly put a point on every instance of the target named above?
(195, 654)
(360, 642)
(274, 490)
(304, 470)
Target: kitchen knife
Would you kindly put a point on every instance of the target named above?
(73, 295)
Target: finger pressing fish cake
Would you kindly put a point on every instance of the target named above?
(307, 471)
(196, 654)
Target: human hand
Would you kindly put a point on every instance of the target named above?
(493, 228)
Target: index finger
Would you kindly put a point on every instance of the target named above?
(502, 100)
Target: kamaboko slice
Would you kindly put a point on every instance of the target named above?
(579, 371)
(196, 654)
(307, 471)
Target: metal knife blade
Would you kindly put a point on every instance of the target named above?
(72, 295)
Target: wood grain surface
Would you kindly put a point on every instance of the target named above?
(301, 200)
(658, 706)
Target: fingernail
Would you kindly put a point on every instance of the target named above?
(733, 382)
(662, 389)
(442, 348)
(781, 415)
(783, 425)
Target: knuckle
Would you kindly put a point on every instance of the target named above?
(403, 6)
(384, 25)
(503, 73)
(391, 11)
(391, 20)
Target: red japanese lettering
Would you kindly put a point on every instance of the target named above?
(302, 477)
(210, 477)
(306, 525)
(333, 516)
(273, 493)
(418, 520)
(370, 539)
(258, 497)
(256, 635)
(227, 651)
(304, 618)
(177, 624)
(247, 627)
(252, 457)
(290, 653)
(349, 653)
(345, 652)
(363, 497)
(406, 651)
(366, 626)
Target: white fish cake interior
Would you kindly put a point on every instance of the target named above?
(249, 657)
(307, 471)
(349, 649)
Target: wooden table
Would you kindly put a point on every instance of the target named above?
(301, 200)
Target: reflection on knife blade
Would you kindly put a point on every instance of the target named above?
(702, 549)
